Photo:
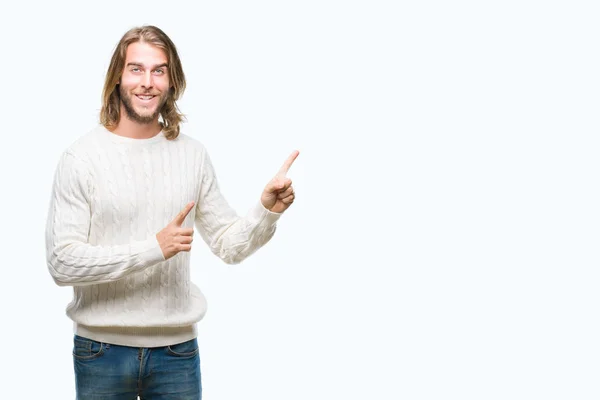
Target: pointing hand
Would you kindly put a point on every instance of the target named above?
(279, 194)
(173, 238)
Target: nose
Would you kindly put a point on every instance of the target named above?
(147, 81)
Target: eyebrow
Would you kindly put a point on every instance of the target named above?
(154, 67)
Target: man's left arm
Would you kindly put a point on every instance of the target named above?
(229, 236)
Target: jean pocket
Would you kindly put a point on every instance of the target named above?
(185, 349)
(87, 349)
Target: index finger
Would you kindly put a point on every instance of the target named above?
(288, 163)
(183, 213)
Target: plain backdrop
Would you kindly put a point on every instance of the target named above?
(444, 239)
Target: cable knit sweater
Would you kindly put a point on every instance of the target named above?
(111, 195)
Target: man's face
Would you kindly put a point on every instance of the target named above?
(144, 83)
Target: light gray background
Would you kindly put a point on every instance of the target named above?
(444, 241)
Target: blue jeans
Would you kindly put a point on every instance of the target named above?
(109, 371)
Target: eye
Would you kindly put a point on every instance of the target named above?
(135, 69)
(159, 71)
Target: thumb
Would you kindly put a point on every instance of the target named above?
(278, 184)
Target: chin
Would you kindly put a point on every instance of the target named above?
(145, 113)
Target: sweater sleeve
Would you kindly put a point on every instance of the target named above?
(229, 236)
(71, 260)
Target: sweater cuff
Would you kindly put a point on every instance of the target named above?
(260, 215)
(148, 252)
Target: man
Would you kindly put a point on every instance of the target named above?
(125, 199)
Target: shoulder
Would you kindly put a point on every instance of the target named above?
(84, 146)
(78, 155)
(192, 143)
(202, 160)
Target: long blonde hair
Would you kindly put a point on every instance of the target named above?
(110, 112)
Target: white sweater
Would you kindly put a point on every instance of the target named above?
(111, 195)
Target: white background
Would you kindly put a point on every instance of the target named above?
(444, 240)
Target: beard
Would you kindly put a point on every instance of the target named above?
(126, 100)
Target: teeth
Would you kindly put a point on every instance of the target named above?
(145, 97)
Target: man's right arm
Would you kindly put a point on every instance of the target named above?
(71, 260)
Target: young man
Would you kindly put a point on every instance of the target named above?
(125, 199)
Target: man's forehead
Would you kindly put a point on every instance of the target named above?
(144, 53)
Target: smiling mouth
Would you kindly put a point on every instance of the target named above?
(144, 97)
